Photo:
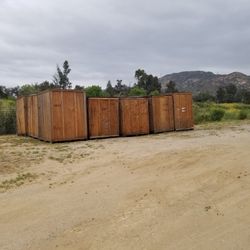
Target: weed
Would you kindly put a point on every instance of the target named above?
(18, 181)
(242, 115)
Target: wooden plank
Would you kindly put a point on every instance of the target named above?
(103, 117)
(161, 114)
(183, 114)
(32, 114)
(44, 116)
(21, 115)
(68, 115)
(134, 116)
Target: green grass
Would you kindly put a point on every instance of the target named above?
(204, 112)
(19, 180)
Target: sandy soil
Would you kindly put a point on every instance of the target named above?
(185, 190)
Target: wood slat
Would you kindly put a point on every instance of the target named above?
(161, 114)
(21, 115)
(183, 113)
(103, 117)
(134, 116)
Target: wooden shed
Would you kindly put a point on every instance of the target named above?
(103, 117)
(32, 116)
(161, 113)
(183, 111)
(134, 116)
(21, 115)
(62, 115)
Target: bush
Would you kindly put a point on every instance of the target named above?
(242, 115)
(7, 117)
(217, 114)
(201, 117)
(94, 91)
(137, 91)
(154, 93)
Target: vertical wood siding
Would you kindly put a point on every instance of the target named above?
(32, 113)
(183, 111)
(134, 116)
(21, 115)
(161, 113)
(103, 117)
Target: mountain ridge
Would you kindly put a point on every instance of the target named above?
(205, 81)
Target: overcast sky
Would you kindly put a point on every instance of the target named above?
(109, 39)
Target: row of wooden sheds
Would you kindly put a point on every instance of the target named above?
(67, 115)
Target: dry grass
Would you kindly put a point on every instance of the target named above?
(19, 180)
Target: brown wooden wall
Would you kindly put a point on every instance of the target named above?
(62, 115)
(44, 116)
(103, 117)
(183, 111)
(32, 116)
(134, 116)
(21, 115)
(161, 113)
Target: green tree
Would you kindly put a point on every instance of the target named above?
(137, 91)
(171, 87)
(220, 94)
(246, 97)
(3, 92)
(28, 89)
(61, 78)
(141, 77)
(154, 93)
(45, 85)
(147, 82)
(94, 91)
(79, 87)
(109, 89)
(231, 91)
(204, 97)
(121, 89)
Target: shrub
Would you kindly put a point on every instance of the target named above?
(7, 117)
(154, 93)
(217, 114)
(201, 117)
(137, 91)
(242, 115)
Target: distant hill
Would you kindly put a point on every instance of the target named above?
(201, 81)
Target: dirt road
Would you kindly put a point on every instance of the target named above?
(185, 190)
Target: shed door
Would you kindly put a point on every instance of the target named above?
(183, 111)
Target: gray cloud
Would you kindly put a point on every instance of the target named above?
(110, 39)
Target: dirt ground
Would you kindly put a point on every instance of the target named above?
(184, 190)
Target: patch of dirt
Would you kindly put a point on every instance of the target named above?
(185, 190)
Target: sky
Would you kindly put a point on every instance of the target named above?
(110, 39)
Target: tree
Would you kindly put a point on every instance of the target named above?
(231, 91)
(45, 85)
(61, 79)
(246, 97)
(154, 93)
(204, 97)
(78, 87)
(137, 91)
(28, 89)
(220, 94)
(147, 82)
(3, 92)
(13, 92)
(141, 77)
(171, 87)
(94, 91)
(121, 89)
(109, 89)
